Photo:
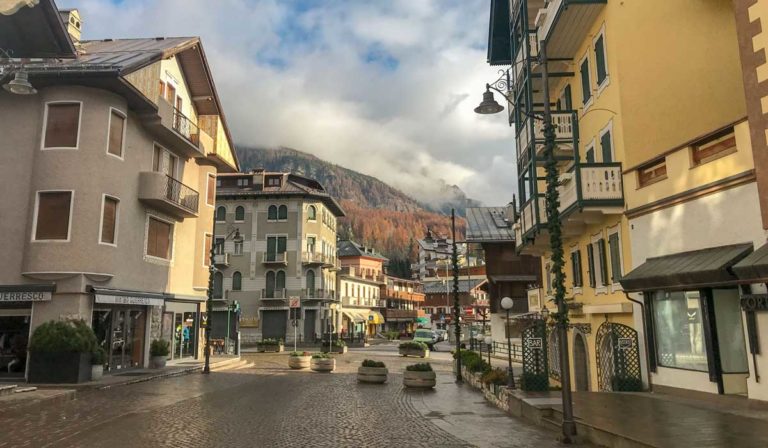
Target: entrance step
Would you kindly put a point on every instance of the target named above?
(228, 364)
(19, 390)
(6, 390)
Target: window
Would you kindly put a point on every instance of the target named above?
(651, 173)
(54, 211)
(275, 285)
(221, 214)
(109, 220)
(282, 213)
(273, 181)
(576, 268)
(116, 133)
(591, 265)
(276, 247)
(564, 101)
(606, 144)
(243, 182)
(311, 283)
(218, 285)
(207, 242)
(210, 198)
(602, 263)
(713, 147)
(586, 91)
(678, 330)
(219, 248)
(601, 61)
(240, 213)
(239, 247)
(272, 213)
(312, 213)
(164, 162)
(311, 242)
(62, 125)
(159, 238)
(237, 281)
(589, 153)
(614, 247)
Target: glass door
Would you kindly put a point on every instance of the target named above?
(135, 351)
(118, 340)
(189, 335)
(102, 327)
(168, 331)
(14, 331)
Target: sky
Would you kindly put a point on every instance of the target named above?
(384, 87)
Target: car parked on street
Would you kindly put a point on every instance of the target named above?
(442, 335)
(428, 337)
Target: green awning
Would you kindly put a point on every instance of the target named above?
(422, 320)
(753, 268)
(694, 269)
(499, 50)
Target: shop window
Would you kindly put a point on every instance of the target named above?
(237, 281)
(221, 214)
(109, 220)
(240, 213)
(272, 213)
(116, 133)
(159, 238)
(282, 213)
(652, 173)
(713, 147)
(62, 125)
(678, 330)
(54, 210)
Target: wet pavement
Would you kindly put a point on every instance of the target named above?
(269, 405)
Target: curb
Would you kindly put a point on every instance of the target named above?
(65, 395)
(151, 377)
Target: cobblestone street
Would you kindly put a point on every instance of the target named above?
(270, 406)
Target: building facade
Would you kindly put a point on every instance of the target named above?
(275, 238)
(402, 302)
(114, 163)
(359, 285)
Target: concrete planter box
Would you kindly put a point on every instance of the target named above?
(158, 362)
(414, 352)
(97, 371)
(57, 368)
(299, 362)
(323, 364)
(423, 380)
(270, 348)
(373, 375)
(335, 349)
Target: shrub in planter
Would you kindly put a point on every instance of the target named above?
(496, 377)
(299, 360)
(419, 376)
(411, 348)
(337, 346)
(270, 345)
(374, 372)
(61, 352)
(97, 363)
(158, 352)
(322, 362)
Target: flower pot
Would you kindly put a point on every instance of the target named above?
(46, 367)
(323, 364)
(158, 362)
(97, 371)
(270, 348)
(424, 380)
(334, 349)
(299, 362)
(414, 352)
(373, 375)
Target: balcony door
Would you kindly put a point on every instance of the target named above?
(165, 162)
(276, 245)
(311, 283)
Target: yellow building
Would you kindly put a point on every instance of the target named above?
(628, 82)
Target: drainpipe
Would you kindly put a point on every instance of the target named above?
(645, 339)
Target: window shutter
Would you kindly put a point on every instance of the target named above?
(211, 190)
(568, 101)
(603, 261)
(53, 215)
(602, 70)
(576, 267)
(272, 213)
(586, 92)
(116, 128)
(62, 125)
(280, 282)
(590, 155)
(282, 212)
(613, 243)
(108, 221)
(159, 238)
(282, 244)
(591, 264)
(605, 146)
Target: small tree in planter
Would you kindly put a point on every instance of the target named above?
(97, 363)
(299, 360)
(412, 348)
(61, 352)
(270, 345)
(374, 372)
(158, 352)
(419, 376)
(322, 362)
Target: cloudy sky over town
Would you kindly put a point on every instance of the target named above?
(385, 87)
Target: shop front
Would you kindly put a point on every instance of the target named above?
(180, 326)
(375, 323)
(15, 316)
(354, 323)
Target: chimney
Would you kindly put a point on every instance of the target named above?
(71, 19)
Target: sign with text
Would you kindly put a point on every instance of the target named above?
(626, 344)
(25, 296)
(534, 343)
(129, 300)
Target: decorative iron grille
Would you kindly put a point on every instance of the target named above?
(618, 358)
(535, 371)
(553, 352)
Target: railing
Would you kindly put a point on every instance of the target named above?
(533, 45)
(528, 218)
(502, 348)
(404, 295)
(274, 294)
(601, 182)
(221, 259)
(318, 293)
(313, 257)
(392, 313)
(563, 124)
(275, 257)
(185, 126)
(181, 194)
(545, 24)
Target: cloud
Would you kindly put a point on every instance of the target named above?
(383, 87)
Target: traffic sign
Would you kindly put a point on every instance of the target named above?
(294, 302)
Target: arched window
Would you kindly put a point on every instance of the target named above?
(272, 213)
(311, 283)
(237, 281)
(312, 213)
(240, 213)
(221, 213)
(218, 285)
(282, 212)
(270, 291)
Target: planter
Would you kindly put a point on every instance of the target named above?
(334, 349)
(158, 362)
(97, 371)
(299, 362)
(373, 375)
(57, 368)
(423, 380)
(414, 352)
(270, 348)
(323, 365)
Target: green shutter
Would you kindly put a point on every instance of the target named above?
(591, 264)
(282, 244)
(578, 268)
(271, 248)
(568, 101)
(613, 242)
(602, 260)
(586, 91)
(590, 155)
(605, 147)
(602, 70)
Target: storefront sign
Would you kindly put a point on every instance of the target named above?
(25, 296)
(129, 300)
(626, 344)
(534, 343)
(754, 302)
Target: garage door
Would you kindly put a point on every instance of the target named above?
(274, 324)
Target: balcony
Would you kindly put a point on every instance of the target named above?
(404, 295)
(312, 259)
(393, 314)
(322, 294)
(564, 24)
(176, 131)
(221, 260)
(275, 258)
(164, 193)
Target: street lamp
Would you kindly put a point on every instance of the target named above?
(489, 343)
(489, 105)
(507, 303)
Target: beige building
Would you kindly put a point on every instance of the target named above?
(113, 165)
(360, 281)
(275, 240)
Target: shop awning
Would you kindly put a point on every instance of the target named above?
(355, 315)
(124, 297)
(377, 318)
(754, 268)
(422, 320)
(694, 269)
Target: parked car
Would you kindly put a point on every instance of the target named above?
(442, 335)
(428, 337)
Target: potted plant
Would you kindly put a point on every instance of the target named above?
(337, 346)
(158, 351)
(493, 379)
(411, 348)
(299, 360)
(270, 345)
(60, 352)
(374, 372)
(322, 362)
(419, 376)
(97, 363)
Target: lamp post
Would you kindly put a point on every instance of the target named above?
(507, 303)
(209, 298)
(456, 307)
(488, 344)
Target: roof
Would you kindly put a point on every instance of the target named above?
(499, 49)
(489, 225)
(347, 248)
(34, 31)
(438, 287)
(698, 268)
(754, 267)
